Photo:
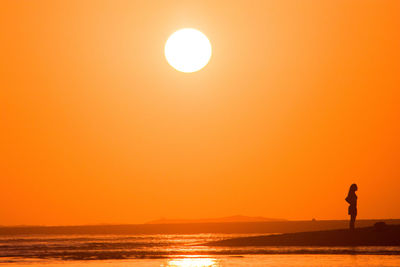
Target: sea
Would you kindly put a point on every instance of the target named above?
(180, 250)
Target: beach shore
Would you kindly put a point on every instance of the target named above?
(380, 235)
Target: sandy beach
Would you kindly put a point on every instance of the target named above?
(386, 235)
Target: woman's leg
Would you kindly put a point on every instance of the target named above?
(352, 221)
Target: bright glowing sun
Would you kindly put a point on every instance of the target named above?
(188, 50)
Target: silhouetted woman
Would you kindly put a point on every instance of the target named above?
(352, 200)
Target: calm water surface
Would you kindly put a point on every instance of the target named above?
(178, 250)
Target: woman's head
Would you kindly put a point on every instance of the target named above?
(353, 188)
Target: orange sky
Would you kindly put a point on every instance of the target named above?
(300, 99)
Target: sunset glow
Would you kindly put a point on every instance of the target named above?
(200, 133)
(297, 102)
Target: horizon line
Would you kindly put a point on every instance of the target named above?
(154, 224)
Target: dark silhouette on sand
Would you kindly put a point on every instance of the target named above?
(381, 234)
(352, 200)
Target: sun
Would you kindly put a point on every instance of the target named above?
(188, 50)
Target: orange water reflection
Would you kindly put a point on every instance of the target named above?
(193, 262)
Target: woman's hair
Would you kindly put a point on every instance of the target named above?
(353, 188)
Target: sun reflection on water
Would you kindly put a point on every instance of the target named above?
(193, 262)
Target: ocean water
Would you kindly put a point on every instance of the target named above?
(177, 250)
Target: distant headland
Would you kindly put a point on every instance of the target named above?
(230, 219)
(263, 227)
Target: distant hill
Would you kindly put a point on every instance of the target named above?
(240, 227)
(236, 218)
